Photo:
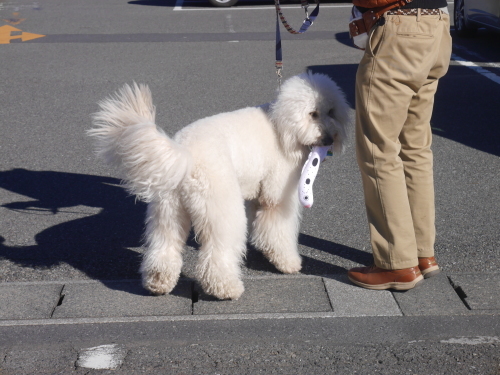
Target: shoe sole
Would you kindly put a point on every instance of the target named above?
(431, 271)
(392, 285)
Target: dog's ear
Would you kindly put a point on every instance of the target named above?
(282, 121)
(290, 111)
(340, 109)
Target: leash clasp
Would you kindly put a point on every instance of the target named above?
(279, 69)
(305, 6)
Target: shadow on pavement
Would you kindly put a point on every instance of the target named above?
(99, 244)
(346, 252)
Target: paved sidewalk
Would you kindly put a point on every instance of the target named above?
(280, 296)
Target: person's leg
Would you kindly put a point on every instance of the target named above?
(383, 95)
(401, 55)
(416, 154)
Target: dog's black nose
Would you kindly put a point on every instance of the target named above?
(327, 140)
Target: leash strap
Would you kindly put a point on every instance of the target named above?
(308, 21)
(279, 53)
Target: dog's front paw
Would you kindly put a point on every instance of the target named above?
(158, 283)
(289, 264)
(224, 290)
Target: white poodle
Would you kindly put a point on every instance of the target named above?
(203, 176)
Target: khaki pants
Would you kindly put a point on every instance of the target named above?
(395, 86)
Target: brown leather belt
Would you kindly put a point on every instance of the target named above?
(413, 12)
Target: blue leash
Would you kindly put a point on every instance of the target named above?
(308, 21)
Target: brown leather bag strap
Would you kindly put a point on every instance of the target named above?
(371, 16)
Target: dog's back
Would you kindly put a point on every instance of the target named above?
(241, 143)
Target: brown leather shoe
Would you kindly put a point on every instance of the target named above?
(428, 266)
(377, 278)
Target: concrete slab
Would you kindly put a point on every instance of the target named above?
(121, 299)
(481, 291)
(28, 301)
(351, 300)
(270, 295)
(435, 296)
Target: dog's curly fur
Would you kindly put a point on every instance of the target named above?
(204, 175)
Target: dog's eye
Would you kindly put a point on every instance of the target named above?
(314, 114)
(331, 113)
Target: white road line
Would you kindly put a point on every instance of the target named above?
(229, 24)
(479, 340)
(475, 67)
(102, 357)
(481, 64)
(178, 5)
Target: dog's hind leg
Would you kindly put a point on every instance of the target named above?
(167, 228)
(275, 233)
(219, 222)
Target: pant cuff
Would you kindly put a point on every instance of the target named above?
(396, 265)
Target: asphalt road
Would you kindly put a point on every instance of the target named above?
(279, 346)
(64, 217)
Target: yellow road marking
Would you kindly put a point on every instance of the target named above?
(6, 37)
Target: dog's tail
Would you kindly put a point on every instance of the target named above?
(127, 138)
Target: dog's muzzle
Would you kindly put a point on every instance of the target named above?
(327, 140)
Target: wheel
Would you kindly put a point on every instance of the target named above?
(461, 27)
(223, 3)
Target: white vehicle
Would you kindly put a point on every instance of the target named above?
(469, 15)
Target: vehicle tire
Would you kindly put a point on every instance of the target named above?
(223, 3)
(461, 27)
